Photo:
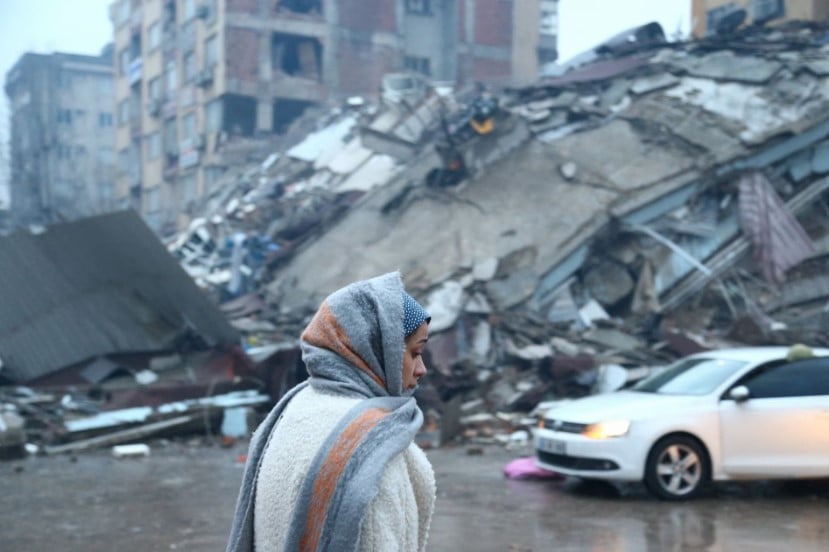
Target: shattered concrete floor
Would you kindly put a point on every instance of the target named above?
(182, 497)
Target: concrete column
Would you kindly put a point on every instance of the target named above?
(330, 45)
(264, 115)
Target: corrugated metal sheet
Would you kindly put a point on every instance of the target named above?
(94, 287)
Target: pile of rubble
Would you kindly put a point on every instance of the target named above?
(607, 222)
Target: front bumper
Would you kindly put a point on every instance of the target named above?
(573, 454)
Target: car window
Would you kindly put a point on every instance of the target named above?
(690, 376)
(795, 379)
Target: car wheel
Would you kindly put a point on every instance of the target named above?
(677, 468)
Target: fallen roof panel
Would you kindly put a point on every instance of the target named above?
(93, 287)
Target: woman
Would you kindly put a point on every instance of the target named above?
(334, 466)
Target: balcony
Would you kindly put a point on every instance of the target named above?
(169, 109)
(204, 78)
(135, 177)
(135, 71)
(188, 154)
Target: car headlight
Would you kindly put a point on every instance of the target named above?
(607, 430)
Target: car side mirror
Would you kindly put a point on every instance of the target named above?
(739, 393)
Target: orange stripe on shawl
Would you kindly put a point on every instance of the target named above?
(325, 331)
(330, 472)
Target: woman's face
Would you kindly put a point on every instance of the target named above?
(413, 367)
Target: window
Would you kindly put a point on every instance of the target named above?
(190, 67)
(64, 151)
(106, 194)
(124, 161)
(188, 126)
(106, 86)
(766, 10)
(170, 134)
(796, 379)
(123, 61)
(418, 65)
(211, 51)
(123, 11)
(124, 112)
(690, 376)
(64, 80)
(105, 156)
(419, 7)
(212, 177)
(104, 120)
(189, 9)
(152, 205)
(188, 188)
(154, 89)
(171, 79)
(154, 36)
(213, 113)
(65, 116)
(154, 146)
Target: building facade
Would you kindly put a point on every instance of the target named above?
(197, 78)
(62, 137)
(706, 14)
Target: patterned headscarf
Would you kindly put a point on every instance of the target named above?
(413, 315)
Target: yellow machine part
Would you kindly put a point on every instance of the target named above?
(484, 127)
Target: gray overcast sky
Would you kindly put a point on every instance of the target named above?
(83, 27)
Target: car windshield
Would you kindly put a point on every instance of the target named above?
(690, 376)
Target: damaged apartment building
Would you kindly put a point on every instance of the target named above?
(61, 155)
(203, 85)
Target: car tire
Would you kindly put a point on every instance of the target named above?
(677, 468)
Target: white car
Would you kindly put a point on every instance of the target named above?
(732, 414)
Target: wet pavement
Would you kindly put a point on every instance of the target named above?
(182, 497)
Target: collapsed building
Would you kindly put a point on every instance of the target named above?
(656, 200)
(100, 323)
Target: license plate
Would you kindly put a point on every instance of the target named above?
(552, 446)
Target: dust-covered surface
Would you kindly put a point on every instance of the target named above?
(182, 498)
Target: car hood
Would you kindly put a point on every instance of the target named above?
(621, 405)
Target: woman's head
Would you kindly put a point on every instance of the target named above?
(413, 366)
(416, 330)
(374, 326)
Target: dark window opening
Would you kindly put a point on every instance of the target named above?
(724, 19)
(418, 65)
(169, 15)
(419, 7)
(135, 46)
(766, 10)
(299, 6)
(296, 56)
(286, 112)
(238, 115)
